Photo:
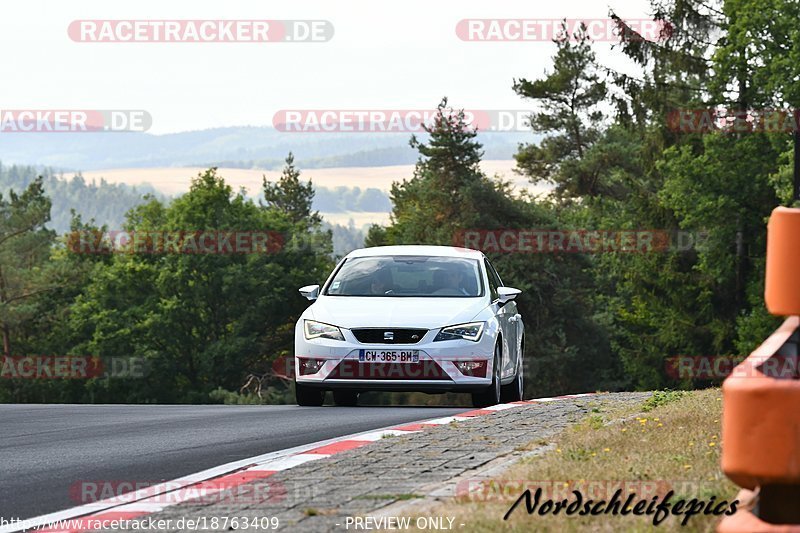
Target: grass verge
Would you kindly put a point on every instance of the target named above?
(669, 442)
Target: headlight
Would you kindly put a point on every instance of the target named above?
(314, 330)
(469, 332)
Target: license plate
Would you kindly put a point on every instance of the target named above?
(388, 356)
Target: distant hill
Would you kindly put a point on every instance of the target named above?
(369, 163)
(104, 202)
(497, 149)
(239, 147)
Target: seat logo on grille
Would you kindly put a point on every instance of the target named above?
(388, 335)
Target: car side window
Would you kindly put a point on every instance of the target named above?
(494, 280)
(495, 274)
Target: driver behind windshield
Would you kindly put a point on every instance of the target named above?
(381, 281)
(454, 280)
(450, 280)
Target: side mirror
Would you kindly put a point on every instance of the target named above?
(507, 294)
(311, 292)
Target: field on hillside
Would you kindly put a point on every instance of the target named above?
(359, 218)
(173, 181)
(176, 180)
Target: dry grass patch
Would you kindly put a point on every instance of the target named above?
(669, 442)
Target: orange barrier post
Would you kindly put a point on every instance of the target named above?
(761, 400)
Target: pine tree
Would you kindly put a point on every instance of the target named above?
(569, 98)
(24, 251)
(290, 196)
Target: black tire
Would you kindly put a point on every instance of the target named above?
(345, 398)
(490, 396)
(515, 391)
(308, 396)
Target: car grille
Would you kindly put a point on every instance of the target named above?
(399, 336)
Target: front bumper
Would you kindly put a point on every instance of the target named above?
(435, 372)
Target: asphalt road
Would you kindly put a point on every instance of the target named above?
(46, 451)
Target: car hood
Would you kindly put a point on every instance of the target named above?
(395, 312)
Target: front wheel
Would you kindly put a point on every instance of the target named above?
(308, 396)
(513, 391)
(490, 396)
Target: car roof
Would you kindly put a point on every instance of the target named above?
(423, 250)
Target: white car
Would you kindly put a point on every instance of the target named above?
(410, 318)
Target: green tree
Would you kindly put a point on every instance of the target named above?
(290, 196)
(24, 250)
(568, 98)
(203, 321)
(679, 302)
(565, 348)
(448, 192)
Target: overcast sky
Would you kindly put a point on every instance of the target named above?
(384, 55)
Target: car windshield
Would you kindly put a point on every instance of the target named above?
(407, 276)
